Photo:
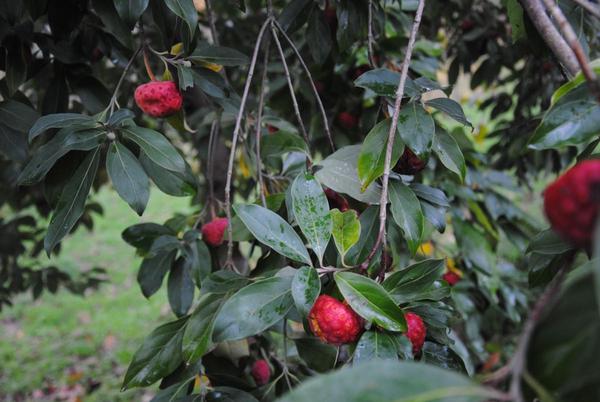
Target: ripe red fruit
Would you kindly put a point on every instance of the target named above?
(158, 98)
(272, 129)
(416, 331)
(410, 163)
(333, 321)
(572, 201)
(451, 277)
(213, 231)
(261, 372)
(336, 200)
(347, 120)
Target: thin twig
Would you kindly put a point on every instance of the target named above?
(212, 141)
(288, 78)
(236, 133)
(312, 84)
(589, 6)
(371, 38)
(261, 104)
(392, 136)
(211, 21)
(113, 99)
(571, 38)
(550, 34)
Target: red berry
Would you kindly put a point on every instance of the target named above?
(158, 98)
(336, 200)
(272, 129)
(213, 231)
(347, 120)
(410, 163)
(416, 331)
(451, 277)
(333, 321)
(261, 372)
(571, 202)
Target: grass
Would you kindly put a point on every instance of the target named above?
(68, 341)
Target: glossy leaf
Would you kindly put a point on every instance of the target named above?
(197, 338)
(60, 120)
(318, 37)
(384, 82)
(449, 153)
(370, 300)
(180, 288)
(451, 108)
(413, 282)
(375, 345)
(318, 356)
(223, 56)
(130, 10)
(407, 213)
(198, 260)
(153, 271)
(346, 230)
(371, 160)
(128, 177)
(143, 235)
(311, 210)
(156, 147)
(173, 183)
(306, 287)
(416, 127)
(271, 230)
(185, 10)
(254, 309)
(280, 142)
(548, 242)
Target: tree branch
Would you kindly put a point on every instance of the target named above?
(236, 133)
(589, 6)
(371, 38)
(550, 34)
(113, 99)
(573, 42)
(392, 136)
(261, 102)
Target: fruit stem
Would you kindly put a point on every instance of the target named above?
(147, 65)
(113, 99)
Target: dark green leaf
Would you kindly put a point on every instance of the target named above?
(143, 235)
(113, 24)
(407, 213)
(449, 153)
(384, 82)
(185, 10)
(416, 128)
(223, 282)
(451, 108)
(185, 77)
(294, 14)
(432, 195)
(375, 345)
(271, 230)
(197, 338)
(13, 144)
(223, 56)
(318, 355)
(413, 282)
(306, 287)
(71, 204)
(228, 394)
(17, 115)
(180, 288)
(164, 244)
(153, 271)
(131, 10)
(128, 177)
(173, 183)
(370, 300)
(281, 142)
(156, 147)
(198, 260)
(548, 242)
(119, 116)
(318, 37)
(474, 245)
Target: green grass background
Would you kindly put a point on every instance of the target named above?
(48, 340)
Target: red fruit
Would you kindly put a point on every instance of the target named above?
(213, 231)
(416, 331)
(336, 200)
(333, 321)
(158, 98)
(347, 120)
(571, 202)
(451, 277)
(410, 163)
(261, 372)
(272, 129)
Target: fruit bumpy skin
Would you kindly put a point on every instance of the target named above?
(333, 321)
(158, 98)
(571, 203)
(416, 331)
(213, 231)
(261, 372)
(409, 163)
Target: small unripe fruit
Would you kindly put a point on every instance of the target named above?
(261, 372)
(409, 163)
(213, 231)
(336, 200)
(416, 331)
(333, 321)
(158, 98)
(347, 120)
(451, 277)
(572, 201)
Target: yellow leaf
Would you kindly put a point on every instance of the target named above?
(176, 49)
(211, 66)
(451, 267)
(244, 167)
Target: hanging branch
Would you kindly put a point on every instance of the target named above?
(392, 136)
(550, 34)
(212, 141)
(371, 38)
(312, 83)
(236, 133)
(573, 42)
(589, 6)
(261, 102)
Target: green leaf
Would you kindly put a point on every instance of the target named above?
(180, 288)
(128, 177)
(371, 160)
(370, 300)
(153, 271)
(414, 282)
(346, 230)
(197, 338)
(451, 108)
(173, 183)
(474, 246)
(113, 24)
(159, 355)
(339, 172)
(185, 77)
(17, 115)
(389, 381)
(254, 309)
(574, 82)
(60, 120)
(548, 242)
(131, 10)
(164, 244)
(185, 10)
(64, 141)
(143, 235)
(306, 287)
(375, 345)
(449, 153)
(385, 82)
(514, 10)
(120, 116)
(369, 228)
(223, 282)
(318, 37)
(311, 210)
(318, 356)
(13, 144)
(416, 128)
(271, 230)
(281, 142)
(228, 394)
(223, 56)
(156, 147)
(407, 213)
(198, 260)
(574, 119)
(71, 204)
